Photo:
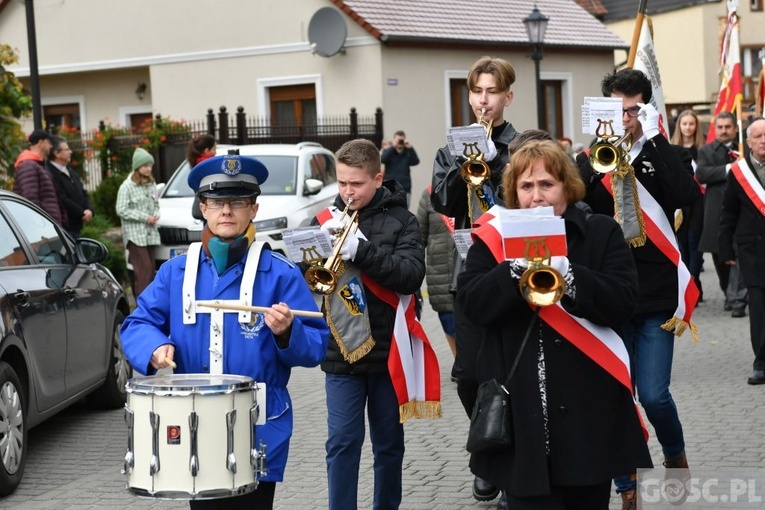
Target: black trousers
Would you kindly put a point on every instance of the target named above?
(260, 499)
(585, 497)
(757, 325)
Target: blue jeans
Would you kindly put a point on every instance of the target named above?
(347, 395)
(651, 349)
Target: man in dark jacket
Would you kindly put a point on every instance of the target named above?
(665, 172)
(715, 160)
(386, 256)
(33, 181)
(743, 213)
(399, 159)
(79, 209)
(489, 93)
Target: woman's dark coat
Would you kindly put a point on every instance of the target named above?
(594, 427)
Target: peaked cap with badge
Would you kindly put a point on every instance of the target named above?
(231, 175)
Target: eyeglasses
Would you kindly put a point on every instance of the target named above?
(236, 203)
(632, 111)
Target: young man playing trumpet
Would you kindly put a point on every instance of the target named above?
(169, 329)
(489, 82)
(383, 258)
(665, 183)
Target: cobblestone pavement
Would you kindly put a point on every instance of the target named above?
(75, 458)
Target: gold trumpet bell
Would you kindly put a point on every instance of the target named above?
(321, 280)
(541, 285)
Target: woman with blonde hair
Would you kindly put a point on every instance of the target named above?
(688, 134)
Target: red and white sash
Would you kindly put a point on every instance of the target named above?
(412, 362)
(660, 232)
(750, 183)
(599, 343)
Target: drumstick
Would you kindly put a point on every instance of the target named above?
(245, 308)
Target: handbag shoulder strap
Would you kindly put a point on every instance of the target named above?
(523, 346)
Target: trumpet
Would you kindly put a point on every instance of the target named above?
(541, 285)
(322, 278)
(608, 154)
(474, 170)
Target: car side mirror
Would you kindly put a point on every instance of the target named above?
(90, 251)
(312, 187)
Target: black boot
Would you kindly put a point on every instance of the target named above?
(483, 490)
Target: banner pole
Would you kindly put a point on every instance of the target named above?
(636, 33)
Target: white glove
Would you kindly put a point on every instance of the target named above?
(649, 119)
(333, 226)
(350, 247)
(492, 152)
(560, 264)
(518, 267)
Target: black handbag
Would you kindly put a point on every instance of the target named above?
(491, 424)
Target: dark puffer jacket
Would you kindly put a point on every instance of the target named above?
(439, 246)
(394, 257)
(34, 183)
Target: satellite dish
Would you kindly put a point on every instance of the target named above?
(326, 32)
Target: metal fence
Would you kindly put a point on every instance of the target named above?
(115, 154)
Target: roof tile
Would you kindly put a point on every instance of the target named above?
(489, 21)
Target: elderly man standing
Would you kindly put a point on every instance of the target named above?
(79, 209)
(33, 181)
(743, 213)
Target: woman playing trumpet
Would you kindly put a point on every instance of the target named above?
(575, 424)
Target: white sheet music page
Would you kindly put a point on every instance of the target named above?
(605, 109)
(459, 137)
(307, 244)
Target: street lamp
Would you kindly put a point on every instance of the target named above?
(536, 25)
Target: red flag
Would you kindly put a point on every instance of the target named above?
(731, 88)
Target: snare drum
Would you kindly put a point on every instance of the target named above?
(192, 436)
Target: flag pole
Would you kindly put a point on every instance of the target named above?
(636, 33)
(740, 128)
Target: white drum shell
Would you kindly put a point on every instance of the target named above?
(174, 398)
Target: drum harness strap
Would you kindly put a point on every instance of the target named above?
(216, 315)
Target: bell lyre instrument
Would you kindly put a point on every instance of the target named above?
(322, 278)
(540, 284)
(609, 153)
(474, 170)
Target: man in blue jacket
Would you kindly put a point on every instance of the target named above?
(168, 329)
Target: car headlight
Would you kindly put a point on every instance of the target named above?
(272, 224)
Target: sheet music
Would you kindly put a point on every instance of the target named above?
(463, 241)
(458, 137)
(307, 243)
(602, 108)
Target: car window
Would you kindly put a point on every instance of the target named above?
(11, 253)
(282, 175)
(41, 233)
(322, 167)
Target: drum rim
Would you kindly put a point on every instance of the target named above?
(205, 494)
(189, 384)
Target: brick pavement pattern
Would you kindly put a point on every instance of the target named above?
(75, 458)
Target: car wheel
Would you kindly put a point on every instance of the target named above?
(13, 430)
(113, 393)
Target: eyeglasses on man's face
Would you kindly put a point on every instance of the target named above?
(632, 111)
(233, 203)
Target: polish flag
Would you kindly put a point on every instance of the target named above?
(731, 88)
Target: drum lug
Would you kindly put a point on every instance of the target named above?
(230, 457)
(129, 456)
(258, 459)
(194, 459)
(154, 463)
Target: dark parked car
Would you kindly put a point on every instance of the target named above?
(60, 316)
